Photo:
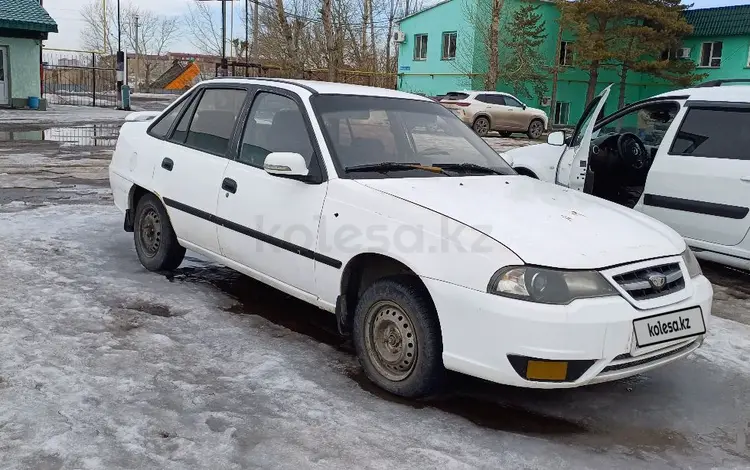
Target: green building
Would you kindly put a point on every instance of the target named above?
(440, 51)
(23, 26)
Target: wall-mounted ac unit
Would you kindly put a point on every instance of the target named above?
(399, 36)
(683, 53)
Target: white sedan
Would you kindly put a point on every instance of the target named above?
(382, 208)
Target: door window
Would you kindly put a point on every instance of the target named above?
(214, 120)
(510, 101)
(492, 99)
(275, 124)
(714, 133)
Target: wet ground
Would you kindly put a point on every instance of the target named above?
(105, 365)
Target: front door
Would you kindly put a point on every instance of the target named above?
(4, 75)
(272, 221)
(700, 185)
(573, 164)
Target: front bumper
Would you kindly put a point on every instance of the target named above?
(482, 331)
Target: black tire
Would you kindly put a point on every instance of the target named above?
(401, 301)
(155, 240)
(505, 134)
(481, 126)
(536, 129)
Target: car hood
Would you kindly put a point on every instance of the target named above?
(543, 224)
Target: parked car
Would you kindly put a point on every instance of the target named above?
(487, 111)
(681, 157)
(432, 252)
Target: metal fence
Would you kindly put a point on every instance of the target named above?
(79, 78)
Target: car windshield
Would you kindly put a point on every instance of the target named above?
(401, 138)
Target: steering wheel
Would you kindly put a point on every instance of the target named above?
(632, 151)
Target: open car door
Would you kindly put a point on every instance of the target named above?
(573, 163)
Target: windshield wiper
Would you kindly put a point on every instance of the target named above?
(469, 167)
(385, 167)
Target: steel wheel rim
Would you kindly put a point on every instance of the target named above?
(482, 126)
(391, 341)
(536, 129)
(150, 232)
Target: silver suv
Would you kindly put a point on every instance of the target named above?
(487, 111)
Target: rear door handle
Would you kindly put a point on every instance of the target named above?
(167, 164)
(229, 185)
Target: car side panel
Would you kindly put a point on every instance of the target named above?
(133, 162)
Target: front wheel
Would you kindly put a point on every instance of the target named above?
(397, 338)
(536, 129)
(155, 241)
(481, 126)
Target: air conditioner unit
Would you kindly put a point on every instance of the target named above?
(683, 53)
(399, 36)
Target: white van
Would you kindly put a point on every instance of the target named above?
(682, 157)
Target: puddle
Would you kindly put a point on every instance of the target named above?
(94, 135)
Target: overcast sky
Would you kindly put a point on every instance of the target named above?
(66, 13)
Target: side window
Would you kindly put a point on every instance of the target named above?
(213, 123)
(162, 126)
(714, 133)
(510, 101)
(275, 124)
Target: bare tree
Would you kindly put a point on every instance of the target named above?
(99, 32)
(150, 42)
(203, 28)
(327, 14)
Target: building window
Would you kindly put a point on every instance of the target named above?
(420, 47)
(748, 57)
(449, 46)
(566, 53)
(711, 54)
(562, 112)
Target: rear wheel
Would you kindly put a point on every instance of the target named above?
(481, 126)
(397, 338)
(155, 241)
(536, 129)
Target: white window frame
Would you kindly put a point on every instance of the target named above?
(563, 119)
(748, 57)
(566, 54)
(447, 35)
(417, 43)
(711, 56)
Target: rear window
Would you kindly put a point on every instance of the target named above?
(714, 133)
(455, 96)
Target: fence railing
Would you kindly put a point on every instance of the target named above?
(78, 78)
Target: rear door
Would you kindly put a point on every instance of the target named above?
(700, 184)
(573, 164)
(193, 160)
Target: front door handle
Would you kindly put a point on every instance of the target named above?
(229, 185)
(746, 179)
(167, 164)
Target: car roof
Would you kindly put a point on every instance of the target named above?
(325, 88)
(729, 93)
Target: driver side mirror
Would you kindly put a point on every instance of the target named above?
(288, 164)
(556, 138)
(523, 105)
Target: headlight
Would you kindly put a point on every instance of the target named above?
(548, 286)
(691, 262)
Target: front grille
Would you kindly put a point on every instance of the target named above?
(629, 361)
(643, 284)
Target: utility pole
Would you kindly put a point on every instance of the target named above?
(247, 35)
(120, 56)
(137, 55)
(256, 48)
(224, 65)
